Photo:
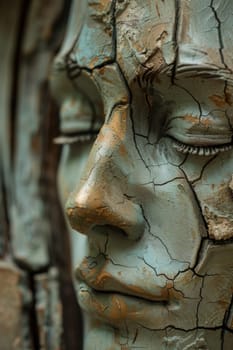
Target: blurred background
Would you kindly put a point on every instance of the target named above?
(38, 308)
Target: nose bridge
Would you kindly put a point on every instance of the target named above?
(99, 200)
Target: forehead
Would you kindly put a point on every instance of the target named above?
(156, 34)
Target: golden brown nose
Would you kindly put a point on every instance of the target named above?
(100, 201)
(99, 204)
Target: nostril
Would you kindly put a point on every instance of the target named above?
(80, 219)
(110, 230)
(87, 210)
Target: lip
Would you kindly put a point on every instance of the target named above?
(104, 282)
(116, 308)
(128, 291)
(119, 295)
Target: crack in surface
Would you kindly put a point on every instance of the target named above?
(131, 117)
(203, 169)
(175, 40)
(179, 329)
(220, 38)
(194, 99)
(154, 269)
(199, 303)
(197, 202)
(159, 239)
(77, 71)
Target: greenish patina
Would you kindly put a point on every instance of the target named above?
(150, 197)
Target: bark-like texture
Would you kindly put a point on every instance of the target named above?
(38, 309)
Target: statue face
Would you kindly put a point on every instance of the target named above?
(146, 170)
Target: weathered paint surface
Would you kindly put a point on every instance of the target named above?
(151, 197)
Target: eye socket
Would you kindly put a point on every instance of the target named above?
(78, 121)
(200, 150)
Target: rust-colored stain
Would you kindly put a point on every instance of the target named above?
(69, 212)
(191, 118)
(206, 122)
(169, 284)
(118, 122)
(102, 278)
(218, 100)
(223, 303)
(196, 120)
(174, 294)
(155, 61)
(122, 150)
(102, 70)
(228, 98)
(93, 62)
(119, 309)
(100, 6)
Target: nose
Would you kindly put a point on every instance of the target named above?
(100, 199)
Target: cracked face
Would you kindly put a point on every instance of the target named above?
(146, 170)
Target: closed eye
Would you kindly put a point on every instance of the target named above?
(78, 137)
(201, 150)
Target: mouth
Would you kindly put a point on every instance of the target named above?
(116, 295)
(156, 289)
(117, 307)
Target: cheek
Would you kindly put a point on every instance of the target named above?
(71, 166)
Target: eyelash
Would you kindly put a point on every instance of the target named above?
(81, 137)
(201, 150)
(178, 145)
